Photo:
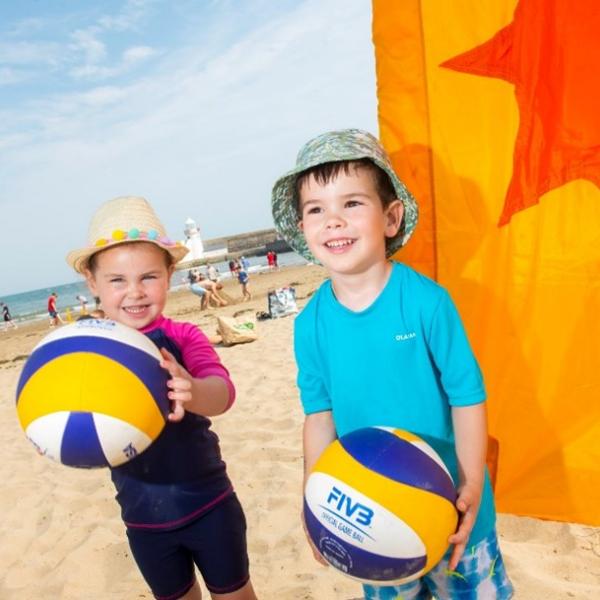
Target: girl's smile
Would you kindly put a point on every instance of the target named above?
(132, 281)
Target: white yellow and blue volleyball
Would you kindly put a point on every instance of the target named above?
(379, 506)
(93, 394)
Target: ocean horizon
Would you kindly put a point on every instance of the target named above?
(32, 305)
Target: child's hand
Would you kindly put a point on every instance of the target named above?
(180, 385)
(315, 552)
(467, 503)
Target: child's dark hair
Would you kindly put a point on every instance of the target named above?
(328, 171)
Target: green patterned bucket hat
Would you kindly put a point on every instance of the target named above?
(346, 144)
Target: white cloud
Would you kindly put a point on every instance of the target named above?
(25, 27)
(29, 53)
(137, 54)
(86, 41)
(83, 51)
(10, 76)
(102, 96)
(132, 57)
(94, 65)
(129, 18)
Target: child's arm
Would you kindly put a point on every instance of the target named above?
(206, 396)
(470, 431)
(318, 433)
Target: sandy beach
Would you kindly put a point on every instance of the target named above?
(61, 536)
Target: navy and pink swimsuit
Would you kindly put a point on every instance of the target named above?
(181, 475)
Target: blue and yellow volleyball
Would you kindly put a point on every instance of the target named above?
(93, 394)
(379, 506)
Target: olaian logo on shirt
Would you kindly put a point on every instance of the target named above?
(403, 337)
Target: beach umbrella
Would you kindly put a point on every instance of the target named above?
(489, 110)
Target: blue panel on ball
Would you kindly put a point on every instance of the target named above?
(384, 453)
(356, 562)
(144, 366)
(80, 444)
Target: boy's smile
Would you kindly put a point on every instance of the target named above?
(339, 245)
(344, 222)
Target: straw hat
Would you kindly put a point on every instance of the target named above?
(342, 145)
(124, 220)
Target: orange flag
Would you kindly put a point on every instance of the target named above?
(489, 110)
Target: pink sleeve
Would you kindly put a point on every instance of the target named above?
(199, 356)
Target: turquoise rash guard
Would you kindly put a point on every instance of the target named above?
(403, 362)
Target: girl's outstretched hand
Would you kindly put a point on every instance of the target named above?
(180, 385)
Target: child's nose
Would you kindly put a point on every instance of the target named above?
(334, 220)
(136, 289)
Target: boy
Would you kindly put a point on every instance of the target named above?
(380, 344)
(55, 317)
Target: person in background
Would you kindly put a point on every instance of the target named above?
(233, 267)
(83, 302)
(200, 291)
(245, 263)
(212, 288)
(53, 313)
(7, 319)
(212, 273)
(243, 279)
(94, 314)
(192, 275)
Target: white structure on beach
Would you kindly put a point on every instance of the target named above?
(193, 240)
(197, 251)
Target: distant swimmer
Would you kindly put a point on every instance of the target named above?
(6, 317)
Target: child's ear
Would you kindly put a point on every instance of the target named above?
(90, 281)
(170, 271)
(394, 213)
(301, 225)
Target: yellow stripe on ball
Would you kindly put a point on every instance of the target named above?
(117, 393)
(406, 435)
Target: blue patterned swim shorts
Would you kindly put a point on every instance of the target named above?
(480, 575)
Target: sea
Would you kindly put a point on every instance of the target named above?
(32, 305)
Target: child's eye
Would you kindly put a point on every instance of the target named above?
(116, 280)
(149, 277)
(314, 210)
(352, 203)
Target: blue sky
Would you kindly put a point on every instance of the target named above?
(198, 105)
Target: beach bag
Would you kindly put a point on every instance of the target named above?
(282, 302)
(237, 330)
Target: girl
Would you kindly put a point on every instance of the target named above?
(177, 502)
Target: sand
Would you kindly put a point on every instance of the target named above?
(61, 536)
